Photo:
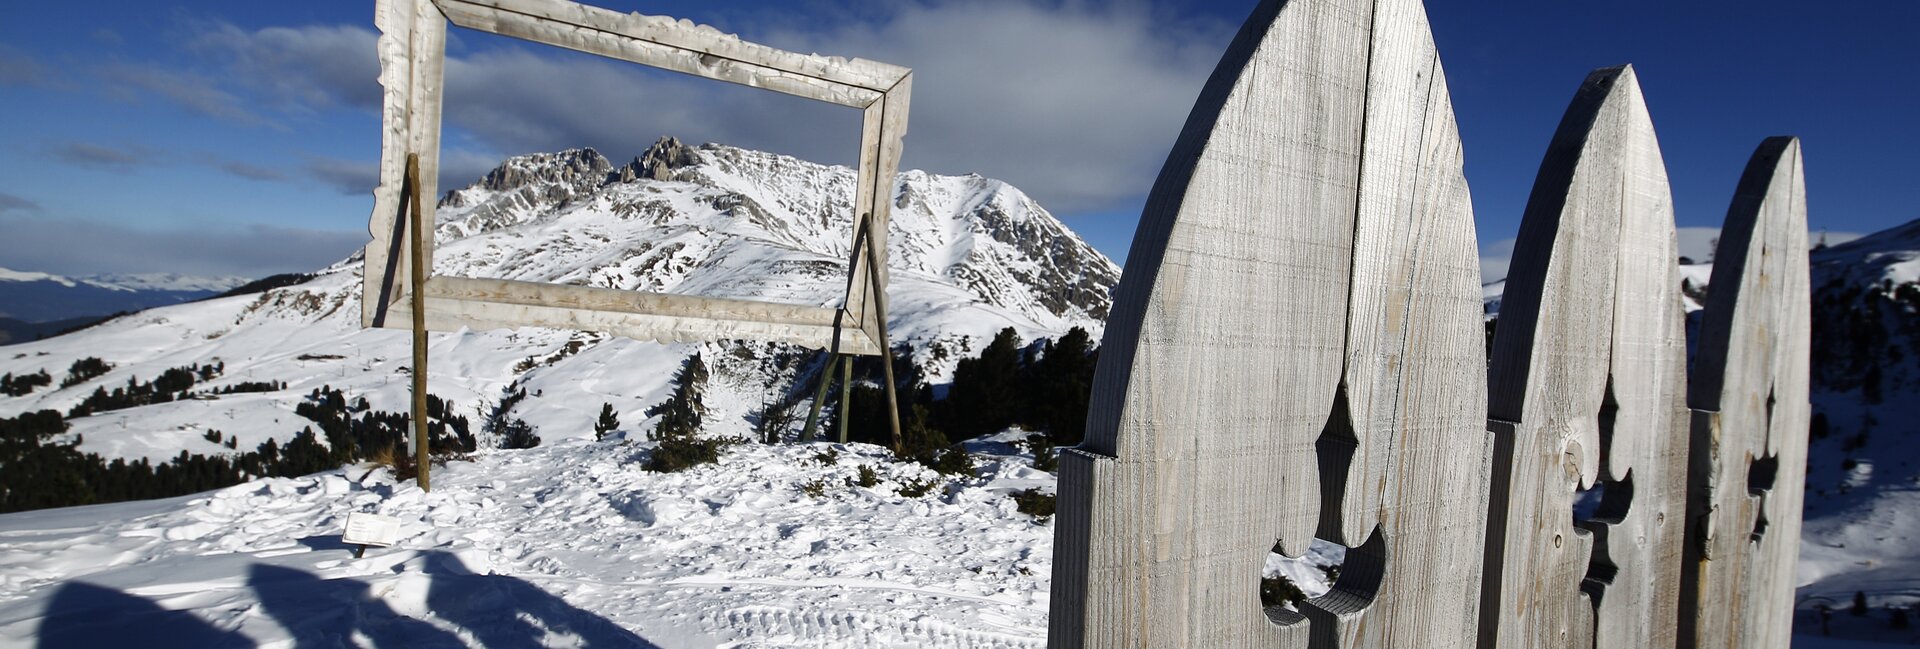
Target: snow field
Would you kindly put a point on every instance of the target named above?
(568, 545)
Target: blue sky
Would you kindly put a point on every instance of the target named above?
(230, 137)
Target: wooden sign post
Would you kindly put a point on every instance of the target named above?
(365, 530)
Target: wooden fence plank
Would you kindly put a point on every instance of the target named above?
(1251, 326)
(1588, 380)
(1750, 411)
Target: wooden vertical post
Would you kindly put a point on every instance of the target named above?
(846, 391)
(416, 282)
(886, 344)
(820, 394)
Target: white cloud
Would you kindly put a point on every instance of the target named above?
(81, 154)
(296, 69)
(11, 203)
(1494, 259)
(18, 68)
(1075, 104)
(190, 90)
(48, 245)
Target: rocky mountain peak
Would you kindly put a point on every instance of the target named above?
(658, 162)
(649, 224)
(572, 167)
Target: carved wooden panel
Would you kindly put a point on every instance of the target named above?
(1750, 410)
(1588, 387)
(1295, 349)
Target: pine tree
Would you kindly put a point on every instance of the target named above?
(1859, 603)
(681, 414)
(986, 391)
(680, 446)
(607, 422)
(1059, 384)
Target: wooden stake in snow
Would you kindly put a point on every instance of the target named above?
(1296, 350)
(1750, 411)
(416, 233)
(1588, 382)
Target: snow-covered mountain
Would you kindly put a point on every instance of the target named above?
(129, 282)
(573, 543)
(1863, 477)
(722, 221)
(970, 256)
(34, 297)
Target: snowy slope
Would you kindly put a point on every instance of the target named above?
(970, 256)
(571, 543)
(42, 297)
(129, 282)
(565, 545)
(1863, 502)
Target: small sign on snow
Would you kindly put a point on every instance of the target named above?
(365, 529)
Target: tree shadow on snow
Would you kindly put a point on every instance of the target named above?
(502, 611)
(83, 616)
(325, 613)
(489, 610)
(495, 610)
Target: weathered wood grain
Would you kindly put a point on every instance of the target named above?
(883, 126)
(411, 49)
(1588, 382)
(482, 304)
(681, 46)
(1750, 411)
(1294, 348)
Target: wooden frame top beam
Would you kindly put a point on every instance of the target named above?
(665, 43)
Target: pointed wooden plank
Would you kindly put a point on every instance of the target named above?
(1639, 529)
(1588, 383)
(1750, 411)
(1413, 378)
(1219, 423)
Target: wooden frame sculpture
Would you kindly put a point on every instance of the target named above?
(401, 290)
(412, 51)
